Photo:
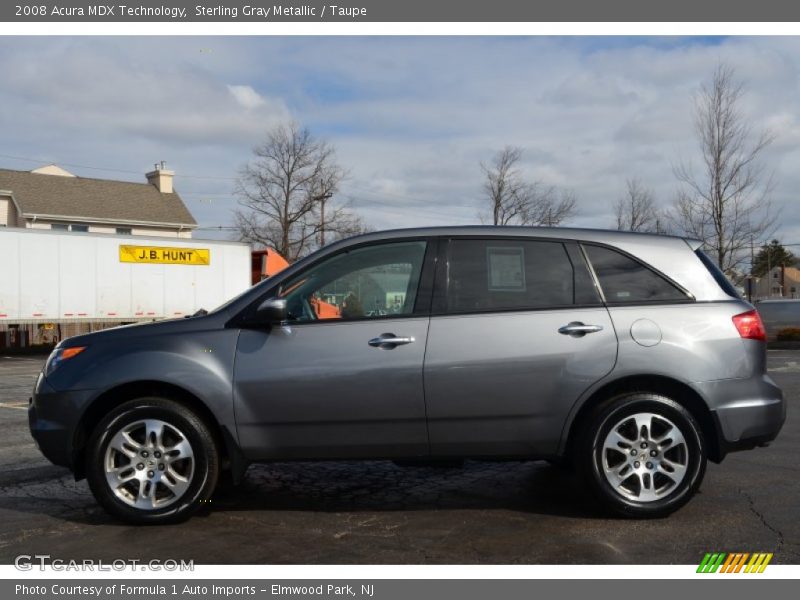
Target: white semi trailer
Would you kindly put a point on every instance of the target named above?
(49, 279)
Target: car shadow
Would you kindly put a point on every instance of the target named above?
(532, 487)
(341, 487)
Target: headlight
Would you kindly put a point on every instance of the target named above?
(59, 355)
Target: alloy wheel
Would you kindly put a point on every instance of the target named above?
(149, 464)
(644, 457)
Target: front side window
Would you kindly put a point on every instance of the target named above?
(624, 280)
(486, 275)
(368, 282)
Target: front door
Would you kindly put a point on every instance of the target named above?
(343, 378)
(517, 334)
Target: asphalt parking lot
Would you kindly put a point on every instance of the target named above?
(376, 512)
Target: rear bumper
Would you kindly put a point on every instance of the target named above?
(748, 412)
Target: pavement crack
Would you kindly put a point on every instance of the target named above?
(752, 506)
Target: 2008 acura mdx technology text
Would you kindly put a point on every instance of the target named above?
(629, 356)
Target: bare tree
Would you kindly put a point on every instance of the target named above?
(515, 201)
(636, 210)
(286, 194)
(728, 204)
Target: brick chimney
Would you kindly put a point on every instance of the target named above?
(161, 178)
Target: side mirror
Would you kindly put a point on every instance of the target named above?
(272, 310)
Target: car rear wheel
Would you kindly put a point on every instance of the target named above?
(642, 455)
(152, 460)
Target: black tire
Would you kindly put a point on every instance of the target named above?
(622, 500)
(201, 470)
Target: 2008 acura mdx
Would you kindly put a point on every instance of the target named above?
(630, 356)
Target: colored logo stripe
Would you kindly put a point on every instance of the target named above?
(710, 563)
(734, 562)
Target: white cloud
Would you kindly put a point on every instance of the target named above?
(246, 96)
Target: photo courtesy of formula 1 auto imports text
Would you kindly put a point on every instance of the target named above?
(387, 300)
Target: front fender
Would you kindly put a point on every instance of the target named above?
(199, 363)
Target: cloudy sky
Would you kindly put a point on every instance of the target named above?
(411, 118)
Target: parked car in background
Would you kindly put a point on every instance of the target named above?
(779, 314)
(627, 355)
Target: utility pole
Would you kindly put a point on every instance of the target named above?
(752, 261)
(323, 198)
(769, 271)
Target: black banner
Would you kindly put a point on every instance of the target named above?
(387, 589)
(401, 11)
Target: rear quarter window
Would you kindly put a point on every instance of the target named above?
(627, 281)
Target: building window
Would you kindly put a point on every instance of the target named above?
(775, 275)
(124, 231)
(69, 227)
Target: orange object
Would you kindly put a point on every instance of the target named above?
(324, 310)
(70, 352)
(266, 263)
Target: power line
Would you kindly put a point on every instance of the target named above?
(207, 177)
(393, 208)
(359, 203)
(37, 160)
(128, 171)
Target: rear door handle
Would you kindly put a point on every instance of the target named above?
(578, 329)
(387, 341)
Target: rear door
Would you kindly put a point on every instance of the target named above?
(518, 332)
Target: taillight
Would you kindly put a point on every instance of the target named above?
(750, 326)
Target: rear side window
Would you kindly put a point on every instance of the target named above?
(485, 275)
(625, 280)
(717, 274)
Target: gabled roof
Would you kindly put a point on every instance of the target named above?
(93, 200)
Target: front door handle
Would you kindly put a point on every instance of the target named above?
(578, 329)
(387, 341)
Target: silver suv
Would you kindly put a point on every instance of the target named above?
(628, 356)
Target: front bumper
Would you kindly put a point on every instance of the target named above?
(53, 418)
(748, 412)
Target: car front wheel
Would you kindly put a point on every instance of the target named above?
(642, 455)
(152, 460)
